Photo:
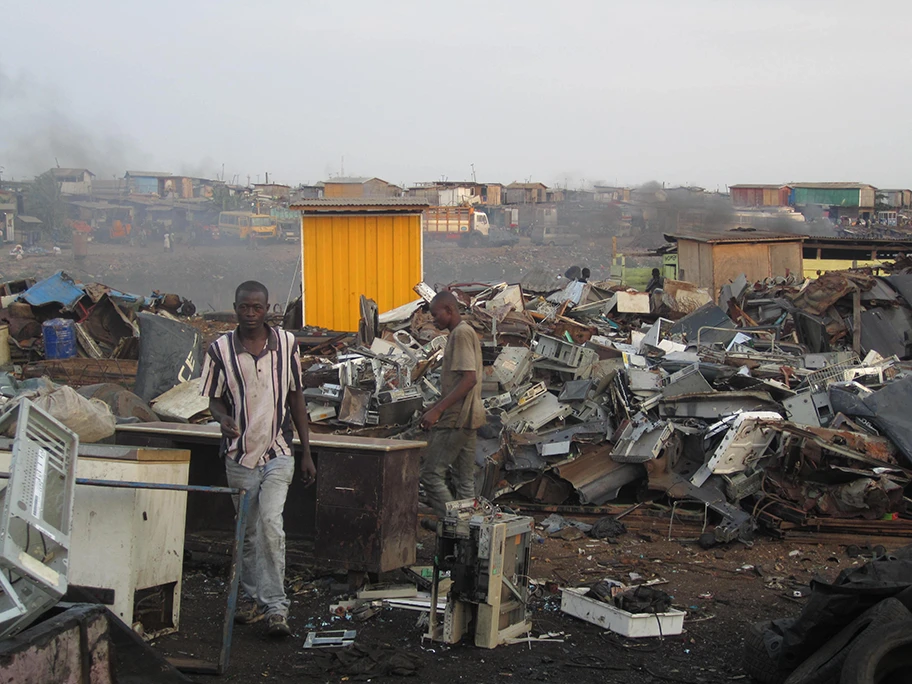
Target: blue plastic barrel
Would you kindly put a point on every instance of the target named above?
(59, 338)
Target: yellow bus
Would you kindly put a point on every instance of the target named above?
(243, 224)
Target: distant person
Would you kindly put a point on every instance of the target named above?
(657, 282)
(585, 274)
(573, 273)
(167, 242)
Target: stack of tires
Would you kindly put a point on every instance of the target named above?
(874, 648)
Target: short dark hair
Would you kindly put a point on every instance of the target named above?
(446, 298)
(586, 273)
(250, 286)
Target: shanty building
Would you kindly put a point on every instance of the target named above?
(526, 193)
(838, 200)
(712, 260)
(351, 247)
(73, 181)
(745, 195)
(351, 187)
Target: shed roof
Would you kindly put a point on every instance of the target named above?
(359, 205)
(148, 174)
(832, 186)
(353, 180)
(30, 219)
(526, 186)
(8, 207)
(59, 173)
(735, 237)
(765, 186)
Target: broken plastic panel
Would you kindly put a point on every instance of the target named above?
(36, 518)
(746, 440)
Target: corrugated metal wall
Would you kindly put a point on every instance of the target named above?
(840, 197)
(344, 257)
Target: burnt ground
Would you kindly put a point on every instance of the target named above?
(723, 590)
(208, 274)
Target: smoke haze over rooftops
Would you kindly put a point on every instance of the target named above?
(697, 93)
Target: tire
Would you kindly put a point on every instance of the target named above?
(881, 655)
(824, 666)
(758, 663)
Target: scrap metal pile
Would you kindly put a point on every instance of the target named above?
(759, 411)
(90, 354)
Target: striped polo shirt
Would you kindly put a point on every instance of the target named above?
(256, 390)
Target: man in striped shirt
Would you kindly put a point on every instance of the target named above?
(253, 380)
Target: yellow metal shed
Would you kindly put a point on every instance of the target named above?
(351, 247)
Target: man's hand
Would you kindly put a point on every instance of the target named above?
(308, 470)
(429, 419)
(229, 428)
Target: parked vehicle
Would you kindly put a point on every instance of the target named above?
(463, 223)
(553, 236)
(243, 224)
(498, 237)
(290, 231)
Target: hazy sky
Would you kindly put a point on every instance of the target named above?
(702, 92)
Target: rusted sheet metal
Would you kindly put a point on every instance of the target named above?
(828, 289)
(79, 372)
(880, 448)
(595, 477)
(367, 514)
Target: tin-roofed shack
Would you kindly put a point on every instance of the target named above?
(351, 247)
(713, 259)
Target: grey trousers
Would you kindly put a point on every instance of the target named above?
(262, 571)
(449, 447)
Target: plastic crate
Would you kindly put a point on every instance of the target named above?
(635, 625)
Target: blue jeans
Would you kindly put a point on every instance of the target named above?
(262, 571)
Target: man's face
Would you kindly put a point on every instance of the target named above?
(442, 315)
(251, 309)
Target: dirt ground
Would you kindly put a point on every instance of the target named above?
(208, 274)
(722, 590)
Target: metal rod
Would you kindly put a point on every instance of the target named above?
(90, 482)
(237, 553)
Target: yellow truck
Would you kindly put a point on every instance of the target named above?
(242, 225)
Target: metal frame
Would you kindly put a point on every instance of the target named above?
(237, 549)
(37, 503)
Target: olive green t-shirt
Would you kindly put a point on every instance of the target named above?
(462, 353)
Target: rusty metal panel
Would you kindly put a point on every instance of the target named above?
(349, 480)
(367, 509)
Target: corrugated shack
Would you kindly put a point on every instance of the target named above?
(712, 260)
(354, 247)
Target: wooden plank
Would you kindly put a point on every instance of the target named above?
(212, 431)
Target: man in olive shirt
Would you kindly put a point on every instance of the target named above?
(454, 419)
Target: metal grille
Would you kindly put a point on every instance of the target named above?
(37, 513)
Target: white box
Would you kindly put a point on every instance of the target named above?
(129, 540)
(575, 603)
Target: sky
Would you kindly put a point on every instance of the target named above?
(702, 92)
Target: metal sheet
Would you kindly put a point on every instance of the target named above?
(596, 478)
(710, 316)
(57, 289)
